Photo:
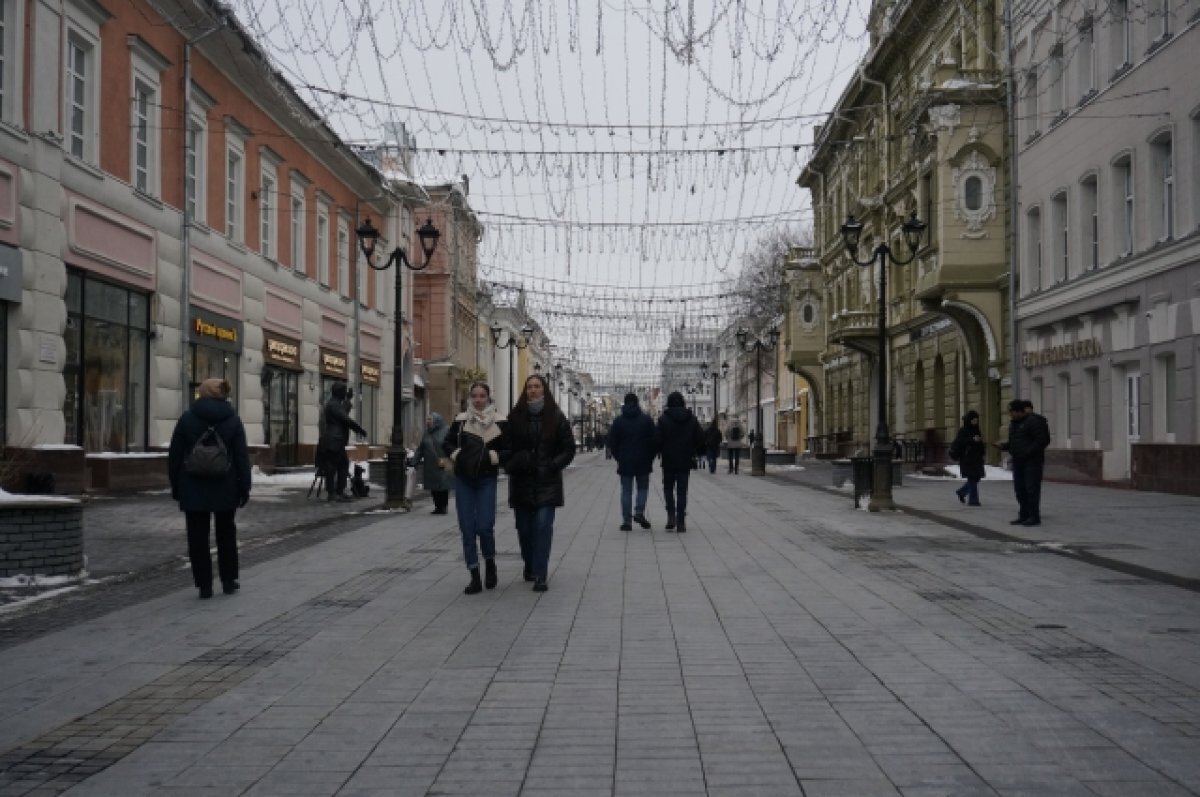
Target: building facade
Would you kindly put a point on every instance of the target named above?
(1108, 243)
(921, 128)
(690, 348)
(155, 231)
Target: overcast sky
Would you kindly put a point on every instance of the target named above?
(622, 156)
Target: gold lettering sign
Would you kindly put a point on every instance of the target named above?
(282, 352)
(1067, 352)
(370, 373)
(333, 363)
(210, 330)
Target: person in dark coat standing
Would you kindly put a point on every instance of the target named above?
(712, 444)
(733, 440)
(331, 445)
(540, 446)
(969, 450)
(632, 440)
(435, 473)
(1028, 439)
(218, 497)
(679, 438)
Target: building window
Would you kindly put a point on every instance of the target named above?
(343, 258)
(1158, 18)
(1029, 104)
(298, 233)
(1164, 398)
(107, 365)
(1091, 406)
(1163, 162)
(1033, 254)
(1122, 32)
(1123, 186)
(323, 246)
(234, 163)
(1085, 60)
(5, 70)
(929, 201)
(1061, 227)
(1089, 222)
(1063, 409)
(11, 45)
(1055, 99)
(79, 103)
(266, 210)
(143, 98)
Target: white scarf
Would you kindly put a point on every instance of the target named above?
(482, 424)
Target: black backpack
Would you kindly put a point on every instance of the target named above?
(209, 457)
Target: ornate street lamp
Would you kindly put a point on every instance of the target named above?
(748, 343)
(714, 375)
(512, 343)
(397, 454)
(881, 452)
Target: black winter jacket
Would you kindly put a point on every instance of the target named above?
(1029, 438)
(679, 438)
(473, 459)
(535, 463)
(632, 441)
(209, 495)
(969, 453)
(713, 437)
(338, 424)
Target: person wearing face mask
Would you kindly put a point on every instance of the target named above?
(475, 444)
(540, 446)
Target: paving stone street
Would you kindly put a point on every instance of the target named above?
(787, 644)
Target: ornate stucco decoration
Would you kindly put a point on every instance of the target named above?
(974, 194)
(945, 117)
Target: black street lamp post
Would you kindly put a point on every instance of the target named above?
(511, 344)
(758, 452)
(714, 375)
(397, 454)
(881, 453)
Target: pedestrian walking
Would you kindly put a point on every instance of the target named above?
(331, 445)
(733, 438)
(209, 467)
(712, 444)
(1028, 439)
(436, 473)
(540, 446)
(475, 443)
(679, 438)
(969, 450)
(632, 440)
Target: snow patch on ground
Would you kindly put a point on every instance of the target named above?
(991, 473)
(18, 498)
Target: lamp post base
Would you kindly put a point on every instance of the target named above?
(758, 460)
(397, 467)
(881, 480)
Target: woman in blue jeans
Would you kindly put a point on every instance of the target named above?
(475, 444)
(539, 445)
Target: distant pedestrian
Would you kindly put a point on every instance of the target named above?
(733, 442)
(436, 473)
(541, 446)
(969, 450)
(750, 438)
(679, 438)
(331, 445)
(209, 468)
(475, 444)
(1028, 439)
(712, 444)
(631, 438)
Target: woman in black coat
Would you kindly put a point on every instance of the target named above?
(970, 451)
(540, 446)
(219, 493)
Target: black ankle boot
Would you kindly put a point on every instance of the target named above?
(528, 574)
(681, 527)
(670, 521)
(489, 574)
(476, 586)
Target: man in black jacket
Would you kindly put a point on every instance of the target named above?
(679, 438)
(1028, 439)
(631, 439)
(331, 445)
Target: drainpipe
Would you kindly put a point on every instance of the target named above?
(185, 300)
(1013, 206)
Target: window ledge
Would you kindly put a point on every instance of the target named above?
(1058, 118)
(1087, 97)
(237, 246)
(15, 132)
(83, 166)
(1119, 71)
(323, 287)
(1158, 43)
(150, 200)
(1032, 137)
(299, 274)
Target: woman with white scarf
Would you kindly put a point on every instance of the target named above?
(474, 443)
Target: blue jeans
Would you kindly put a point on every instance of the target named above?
(628, 506)
(712, 454)
(675, 489)
(970, 491)
(535, 531)
(475, 500)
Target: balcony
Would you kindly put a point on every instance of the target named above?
(855, 329)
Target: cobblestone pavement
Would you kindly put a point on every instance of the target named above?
(785, 645)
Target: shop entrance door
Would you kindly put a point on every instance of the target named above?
(281, 413)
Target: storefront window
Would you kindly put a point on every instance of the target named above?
(107, 365)
(370, 397)
(281, 413)
(205, 362)
(4, 374)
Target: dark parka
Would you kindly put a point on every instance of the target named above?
(969, 453)
(429, 455)
(1029, 438)
(474, 459)
(713, 436)
(680, 438)
(536, 461)
(209, 495)
(338, 424)
(632, 441)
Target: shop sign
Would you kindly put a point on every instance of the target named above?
(931, 329)
(284, 352)
(333, 363)
(11, 278)
(216, 331)
(369, 373)
(1067, 352)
